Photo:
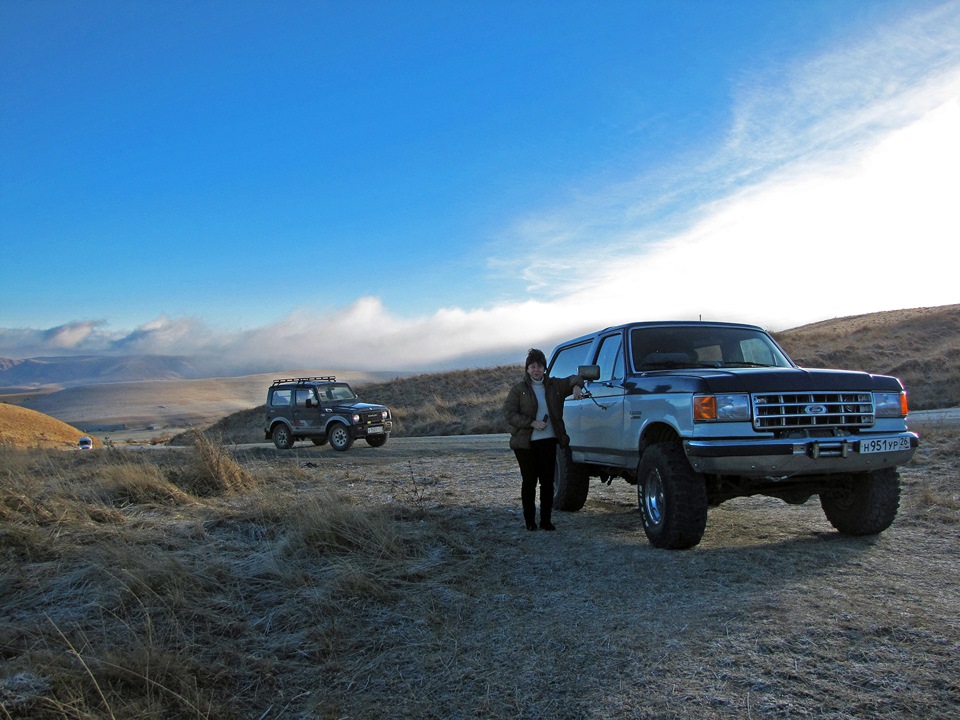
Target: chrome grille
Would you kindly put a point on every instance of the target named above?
(787, 411)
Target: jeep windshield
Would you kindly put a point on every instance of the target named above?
(335, 391)
(703, 346)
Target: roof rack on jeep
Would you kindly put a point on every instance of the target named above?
(324, 378)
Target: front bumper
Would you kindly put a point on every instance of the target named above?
(371, 430)
(788, 457)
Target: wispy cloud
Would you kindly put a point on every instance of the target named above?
(818, 116)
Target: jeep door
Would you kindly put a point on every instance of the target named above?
(306, 409)
(601, 419)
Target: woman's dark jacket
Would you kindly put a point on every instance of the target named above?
(520, 408)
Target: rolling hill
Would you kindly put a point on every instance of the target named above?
(21, 428)
(921, 346)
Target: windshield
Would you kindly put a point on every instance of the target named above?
(659, 348)
(335, 391)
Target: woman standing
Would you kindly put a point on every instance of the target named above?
(534, 411)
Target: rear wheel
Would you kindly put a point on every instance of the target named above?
(863, 504)
(339, 436)
(319, 440)
(672, 498)
(282, 437)
(376, 440)
(571, 482)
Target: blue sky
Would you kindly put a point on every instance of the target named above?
(420, 184)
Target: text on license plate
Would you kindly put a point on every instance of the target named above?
(880, 445)
(378, 430)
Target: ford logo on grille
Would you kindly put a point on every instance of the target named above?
(815, 409)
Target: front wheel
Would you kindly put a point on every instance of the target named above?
(339, 437)
(863, 504)
(672, 498)
(282, 437)
(571, 482)
(376, 440)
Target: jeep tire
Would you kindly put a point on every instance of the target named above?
(377, 440)
(571, 484)
(339, 437)
(319, 440)
(863, 504)
(282, 437)
(672, 498)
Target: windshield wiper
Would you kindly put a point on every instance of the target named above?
(743, 364)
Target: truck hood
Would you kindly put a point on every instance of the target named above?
(729, 380)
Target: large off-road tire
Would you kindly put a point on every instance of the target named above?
(672, 498)
(863, 504)
(339, 437)
(570, 483)
(319, 440)
(282, 437)
(377, 440)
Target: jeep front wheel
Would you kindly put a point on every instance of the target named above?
(376, 440)
(282, 437)
(672, 498)
(339, 436)
(863, 504)
(571, 484)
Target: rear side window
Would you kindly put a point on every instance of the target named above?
(566, 361)
(280, 398)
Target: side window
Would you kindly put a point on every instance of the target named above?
(567, 360)
(281, 398)
(303, 394)
(610, 359)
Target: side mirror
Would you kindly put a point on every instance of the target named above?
(589, 372)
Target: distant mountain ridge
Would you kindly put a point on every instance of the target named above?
(71, 371)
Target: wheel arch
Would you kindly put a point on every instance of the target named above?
(337, 419)
(657, 432)
(281, 421)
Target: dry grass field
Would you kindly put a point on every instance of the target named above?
(207, 582)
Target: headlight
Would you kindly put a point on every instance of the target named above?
(890, 404)
(384, 415)
(721, 408)
(356, 418)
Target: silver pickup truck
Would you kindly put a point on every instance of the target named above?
(697, 413)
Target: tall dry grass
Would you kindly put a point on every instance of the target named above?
(169, 584)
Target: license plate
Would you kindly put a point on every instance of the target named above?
(881, 445)
(375, 430)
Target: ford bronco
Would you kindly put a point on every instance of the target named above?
(697, 413)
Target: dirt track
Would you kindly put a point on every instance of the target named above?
(774, 614)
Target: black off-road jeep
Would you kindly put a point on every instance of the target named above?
(321, 409)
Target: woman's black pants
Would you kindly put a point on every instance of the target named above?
(537, 465)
